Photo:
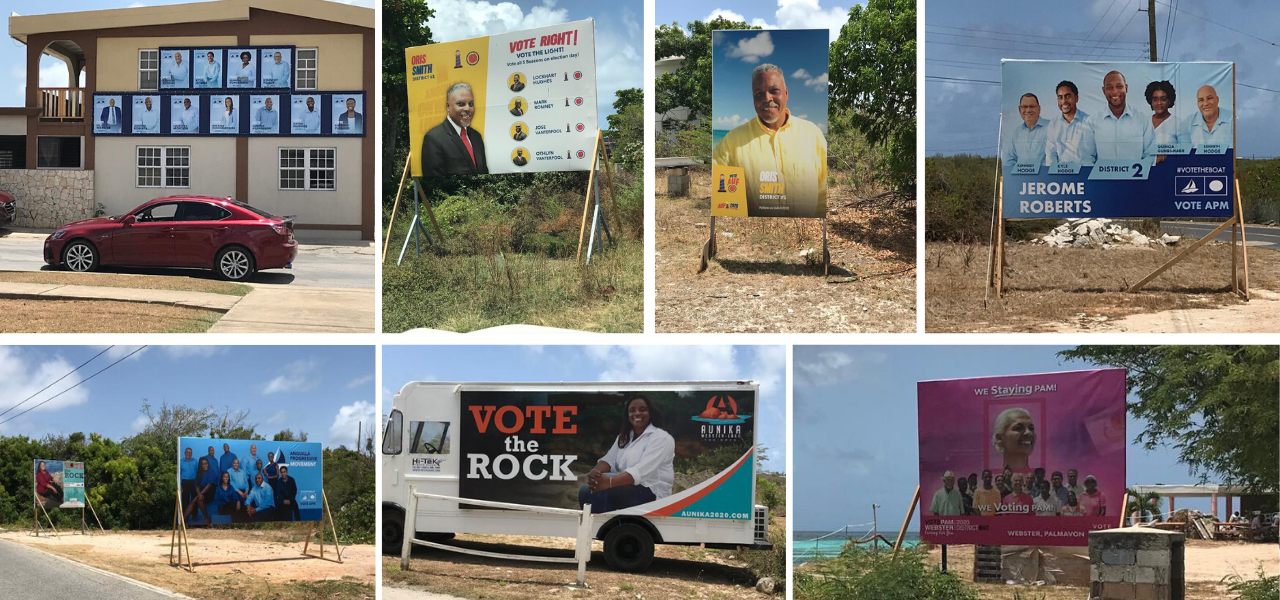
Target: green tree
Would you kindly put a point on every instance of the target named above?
(690, 85)
(626, 129)
(1216, 405)
(1147, 506)
(404, 25)
(873, 78)
(288, 436)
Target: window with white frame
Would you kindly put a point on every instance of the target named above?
(307, 63)
(308, 168)
(148, 69)
(164, 167)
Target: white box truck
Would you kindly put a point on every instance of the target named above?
(658, 463)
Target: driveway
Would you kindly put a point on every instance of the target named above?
(1257, 235)
(320, 263)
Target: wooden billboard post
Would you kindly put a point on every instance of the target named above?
(902, 531)
(178, 539)
(599, 227)
(325, 516)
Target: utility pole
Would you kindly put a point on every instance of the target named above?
(1151, 24)
(875, 527)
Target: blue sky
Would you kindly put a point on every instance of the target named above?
(53, 72)
(855, 426)
(963, 117)
(802, 56)
(769, 14)
(325, 391)
(765, 364)
(619, 33)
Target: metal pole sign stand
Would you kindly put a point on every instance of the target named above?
(416, 229)
(328, 516)
(599, 226)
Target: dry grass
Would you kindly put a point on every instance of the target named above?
(145, 282)
(759, 282)
(1056, 289)
(100, 316)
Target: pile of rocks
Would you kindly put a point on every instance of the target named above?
(1100, 233)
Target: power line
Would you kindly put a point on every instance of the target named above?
(976, 81)
(1109, 28)
(1190, 14)
(1258, 88)
(1030, 42)
(1099, 22)
(1053, 52)
(54, 382)
(963, 62)
(1047, 37)
(78, 384)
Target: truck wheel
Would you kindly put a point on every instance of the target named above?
(392, 531)
(628, 548)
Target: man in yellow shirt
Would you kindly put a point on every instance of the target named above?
(783, 157)
(986, 497)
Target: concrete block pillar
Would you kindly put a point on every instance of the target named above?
(678, 181)
(1137, 564)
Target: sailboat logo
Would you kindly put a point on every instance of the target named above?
(1191, 188)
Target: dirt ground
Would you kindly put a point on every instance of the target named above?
(759, 282)
(145, 282)
(1207, 563)
(1082, 290)
(240, 564)
(677, 572)
(101, 316)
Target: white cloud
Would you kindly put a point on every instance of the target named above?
(752, 49)
(278, 418)
(797, 14)
(769, 367)
(298, 376)
(347, 422)
(462, 19)
(115, 353)
(729, 122)
(801, 74)
(727, 15)
(828, 366)
(22, 376)
(359, 381)
(139, 424)
(196, 351)
(666, 363)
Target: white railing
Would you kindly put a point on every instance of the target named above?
(581, 553)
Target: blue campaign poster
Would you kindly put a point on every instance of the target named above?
(246, 481)
(1119, 140)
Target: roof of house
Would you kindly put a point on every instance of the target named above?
(198, 12)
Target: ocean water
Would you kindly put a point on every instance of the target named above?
(717, 135)
(805, 548)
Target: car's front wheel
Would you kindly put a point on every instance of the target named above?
(234, 263)
(80, 256)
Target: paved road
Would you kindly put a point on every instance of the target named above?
(28, 573)
(1258, 235)
(337, 264)
(396, 593)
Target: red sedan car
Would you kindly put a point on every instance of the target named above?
(232, 238)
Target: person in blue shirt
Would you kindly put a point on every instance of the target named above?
(227, 500)
(307, 121)
(267, 119)
(206, 480)
(277, 72)
(243, 75)
(1211, 125)
(287, 496)
(175, 73)
(252, 459)
(257, 469)
(211, 75)
(228, 457)
(1070, 138)
(187, 473)
(1026, 144)
(261, 501)
(1161, 97)
(240, 478)
(272, 470)
(213, 463)
(1122, 133)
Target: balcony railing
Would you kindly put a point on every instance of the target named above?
(62, 104)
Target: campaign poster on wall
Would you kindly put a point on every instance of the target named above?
(769, 138)
(277, 67)
(242, 68)
(685, 453)
(175, 69)
(305, 111)
(1127, 139)
(108, 113)
(543, 78)
(1036, 460)
(348, 114)
(59, 484)
(265, 111)
(245, 481)
(207, 68)
(224, 114)
(184, 114)
(146, 115)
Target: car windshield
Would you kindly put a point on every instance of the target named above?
(261, 213)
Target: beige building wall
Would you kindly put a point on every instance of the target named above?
(213, 170)
(13, 125)
(339, 206)
(339, 57)
(118, 57)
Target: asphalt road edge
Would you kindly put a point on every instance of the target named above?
(145, 586)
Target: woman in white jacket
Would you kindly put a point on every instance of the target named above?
(638, 468)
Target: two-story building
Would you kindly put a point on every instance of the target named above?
(275, 106)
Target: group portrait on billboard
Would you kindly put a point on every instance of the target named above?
(769, 97)
(246, 481)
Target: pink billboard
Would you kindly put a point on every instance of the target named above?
(1034, 460)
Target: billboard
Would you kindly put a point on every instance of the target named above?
(769, 144)
(184, 114)
(348, 115)
(175, 69)
(230, 113)
(146, 115)
(266, 114)
(277, 69)
(108, 113)
(1034, 460)
(224, 114)
(58, 484)
(242, 68)
(219, 478)
(543, 79)
(208, 64)
(693, 456)
(306, 110)
(1127, 139)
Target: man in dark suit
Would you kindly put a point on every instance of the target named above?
(110, 116)
(518, 110)
(286, 493)
(520, 134)
(516, 84)
(520, 160)
(453, 147)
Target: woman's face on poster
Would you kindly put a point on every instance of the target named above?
(638, 413)
(1018, 436)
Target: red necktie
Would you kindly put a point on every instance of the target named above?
(467, 143)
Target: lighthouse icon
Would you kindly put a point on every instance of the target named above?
(722, 182)
(457, 59)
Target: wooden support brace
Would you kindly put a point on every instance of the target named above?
(586, 202)
(902, 532)
(417, 189)
(613, 196)
(1244, 244)
(404, 175)
(1182, 255)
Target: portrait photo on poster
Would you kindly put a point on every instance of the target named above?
(184, 114)
(305, 111)
(224, 114)
(242, 68)
(208, 67)
(146, 115)
(175, 69)
(276, 67)
(348, 114)
(108, 113)
(265, 111)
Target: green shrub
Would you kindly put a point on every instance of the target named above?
(1262, 588)
(769, 493)
(770, 563)
(355, 520)
(863, 574)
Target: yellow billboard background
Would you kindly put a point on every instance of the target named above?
(431, 70)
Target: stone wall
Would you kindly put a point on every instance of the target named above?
(1136, 564)
(50, 197)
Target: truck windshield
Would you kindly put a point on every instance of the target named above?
(393, 435)
(429, 437)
